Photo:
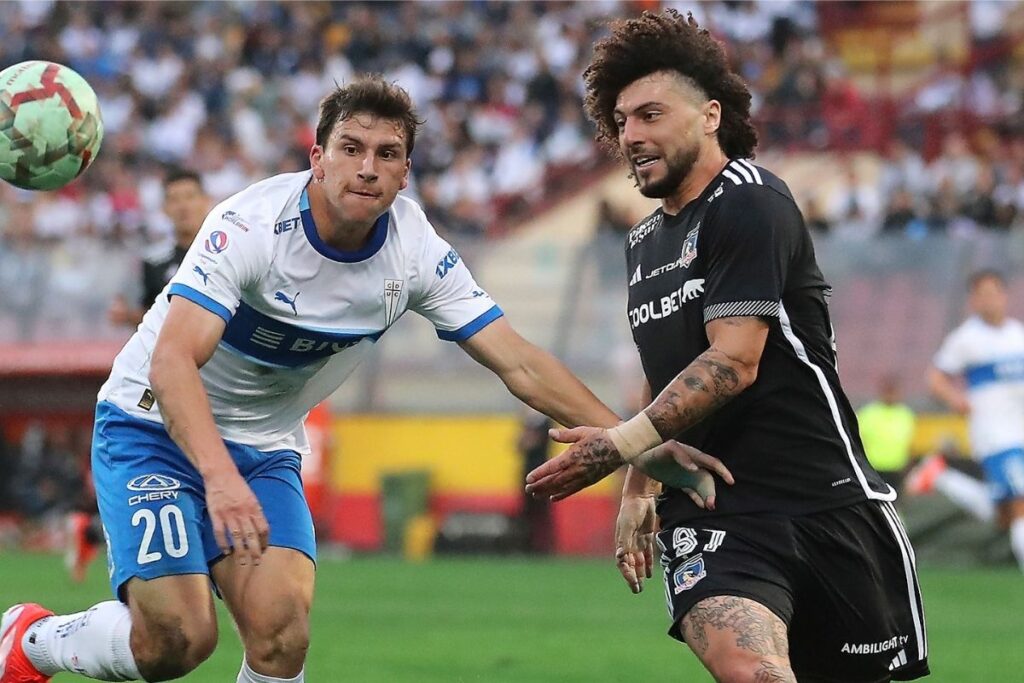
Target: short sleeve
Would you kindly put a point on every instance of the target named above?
(225, 258)
(951, 358)
(748, 241)
(449, 296)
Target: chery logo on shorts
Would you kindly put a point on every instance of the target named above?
(154, 482)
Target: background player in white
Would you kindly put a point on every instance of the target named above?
(979, 372)
(287, 285)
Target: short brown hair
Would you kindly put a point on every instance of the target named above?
(667, 42)
(368, 95)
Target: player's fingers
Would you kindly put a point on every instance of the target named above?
(548, 469)
(624, 562)
(248, 543)
(710, 462)
(563, 435)
(262, 530)
(695, 497)
(219, 534)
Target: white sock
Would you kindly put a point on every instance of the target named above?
(247, 675)
(967, 492)
(1017, 540)
(93, 643)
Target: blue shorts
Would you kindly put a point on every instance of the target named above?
(153, 503)
(1005, 474)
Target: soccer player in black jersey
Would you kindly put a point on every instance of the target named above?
(803, 570)
(186, 204)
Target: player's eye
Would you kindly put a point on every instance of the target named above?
(651, 115)
(620, 123)
(350, 150)
(387, 155)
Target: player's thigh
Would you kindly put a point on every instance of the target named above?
(738, 639)
(858, 613)
(172, 616)
(269, 601)
(151, 502)
(273, 599)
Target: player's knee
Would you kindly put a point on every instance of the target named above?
(170, 647)
(278, 643)
(749, 667)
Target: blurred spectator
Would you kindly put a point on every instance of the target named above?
(887, 428)
(815, 218)
(186, 204)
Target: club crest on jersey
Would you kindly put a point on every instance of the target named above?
(689, 574)
(216, 242)
(392, 296)
(690, 247)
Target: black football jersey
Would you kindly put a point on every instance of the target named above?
(742, 249)
(157, 270)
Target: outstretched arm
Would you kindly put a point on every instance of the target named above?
(537, 378)
(715, 377)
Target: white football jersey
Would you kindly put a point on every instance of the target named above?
(300, 313)
(991, 362)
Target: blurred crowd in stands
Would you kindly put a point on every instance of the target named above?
(231, 89)
(43, 476)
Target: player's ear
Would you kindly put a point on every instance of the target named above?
(405, 178)
(712, 116)
(316, 156)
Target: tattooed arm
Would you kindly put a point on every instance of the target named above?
(723, 371)
(716, 376)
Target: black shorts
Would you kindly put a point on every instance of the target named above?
(842, 580)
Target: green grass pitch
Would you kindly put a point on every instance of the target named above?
(515, 620)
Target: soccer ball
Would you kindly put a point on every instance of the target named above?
(50, 126)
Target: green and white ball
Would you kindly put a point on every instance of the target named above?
(50, 125)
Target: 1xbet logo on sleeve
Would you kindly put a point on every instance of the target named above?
(446, 263)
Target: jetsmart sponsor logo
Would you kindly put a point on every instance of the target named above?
(874, 648)
(656, 309)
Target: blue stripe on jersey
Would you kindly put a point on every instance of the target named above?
(1003, 370)
(195, 296)
(378, 235)
(472, 327)
(263, 339)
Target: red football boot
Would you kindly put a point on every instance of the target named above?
(15, 666)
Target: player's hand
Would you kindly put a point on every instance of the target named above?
(686, 468)
(591, 458)
(634, 540)
(238, 522)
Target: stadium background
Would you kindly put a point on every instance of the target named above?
(899, 127)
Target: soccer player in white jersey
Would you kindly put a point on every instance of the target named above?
(199, 427)
(979, 372)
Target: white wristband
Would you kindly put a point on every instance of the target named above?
(635, 436)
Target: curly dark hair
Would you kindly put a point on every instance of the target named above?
(667, 42)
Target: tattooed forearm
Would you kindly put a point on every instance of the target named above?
(702, 387)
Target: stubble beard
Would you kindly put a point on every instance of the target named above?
(678, 167)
